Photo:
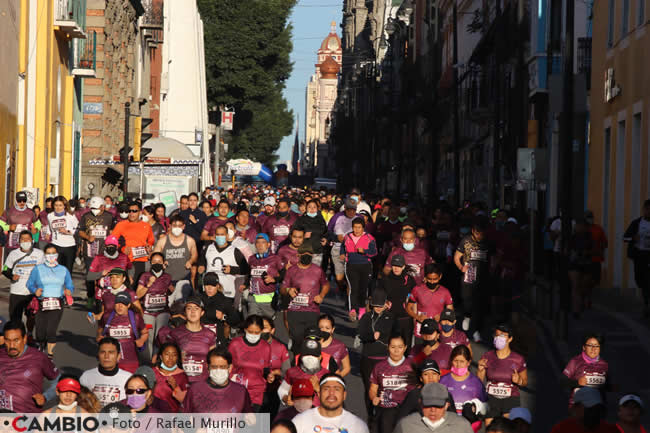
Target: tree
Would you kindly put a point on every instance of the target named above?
(247, 48)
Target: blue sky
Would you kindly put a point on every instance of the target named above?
(311, 21)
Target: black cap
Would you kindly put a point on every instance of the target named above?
(378, 298)
(429, 364)
(313, 334)
(196, 300)
(504, 327)
(398, 260)
(210, 279)
(21, 195)
(117, 271)
(429, 326)
(310, 347)
(123, 298)
(448, 314)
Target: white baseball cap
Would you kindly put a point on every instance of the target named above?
(631, 397)
(96, 202)
(269, 201)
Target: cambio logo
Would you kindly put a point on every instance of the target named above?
(54, 423)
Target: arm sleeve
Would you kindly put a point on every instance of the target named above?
(32, 281)
(286, 281)
(242, 264)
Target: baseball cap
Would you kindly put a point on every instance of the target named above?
(378, 298)
(430, 365)
(350, 204)
(263, 236)
(588, 397)
(302, 388)
(448, 314)
(310, 347)
(195, 300)
(68, 384)
(429, 326)
(148, 373)
(398, 260)
(512, 220)
(504, 327)
(21, 195)
(123, 298)
(627, 398)
(313, 333)
(210, 279)
(111, 240)
(521, 413)
(117, 271)
(269, 201)
(96, 202)
(434, 394)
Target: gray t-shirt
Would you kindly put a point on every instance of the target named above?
(176, 257)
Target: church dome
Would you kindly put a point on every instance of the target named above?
(329, 68)
(332, 42)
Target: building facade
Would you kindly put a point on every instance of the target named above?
(619, 151)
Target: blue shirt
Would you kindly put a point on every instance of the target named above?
(51, 280)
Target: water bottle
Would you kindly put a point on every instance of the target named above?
(91, 318)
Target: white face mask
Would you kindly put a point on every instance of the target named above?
(144, 218)
(123, 215)
(177, 231)
(433, 425)
(253, 338)
(219, 376)
(108, 206)
(231, 233)
(310, 362)
(67, 406)
(25, 246)
(51, 259)
(302, 404)
(96, 211)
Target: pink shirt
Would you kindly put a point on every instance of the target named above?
(249, 362)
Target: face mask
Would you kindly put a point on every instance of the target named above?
(305, 259)
(144, 218)
(219, 376)
(283, 214)
(136, 401)
(72, 208)
(96, 211)
(21, 206)
(157, 269)
(164, 367)
(432, 425)
(220, 240)
(447, 328)
(430, 342)
(82, 205)
(403, 210)
(302, 404)
(25, 246)
(355, 199)
(312, 214)
(231, 233)
(110, 251)
(266, 336)
(393, 221)
(432, 286)
(51, 259)
(253, 338)
(459, 371)
(295, 208)
(108, 206)
(408, 247)
(59, 213)
(310, 362)
(500, 342)
(177, 231)
(67, 406)
(123, 215)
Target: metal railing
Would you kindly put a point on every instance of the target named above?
(153, 17)
(85, 54)
(70, 10)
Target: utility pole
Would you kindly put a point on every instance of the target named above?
(456, 114)
(217, 143)
(565, 191)
(125, 151)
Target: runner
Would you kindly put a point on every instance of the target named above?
(264, 274)
(429, 372)
(300, 399)
(288, 254)
(171, 381)
(63, 226)
(449, 334)
(52, 284)
(217, 393)
(630, 408)
(67, 392)
(110, 206)
(315, 230)
(389, 384)
(22, 369)
(138, 239)
(357, 250)
(340, 227)
(246, 226)
(126, 325)
(180, 254)
(210, 227)
(269, 210)
(194, 217)
(251, 360)
(588, 368)
(398, 285)
(587, 416)
(416, 258)
(219, 315)
(17, 268)
(118, 278)
(330, 416)
(429, 299)
(503, 372)
(149, 216)
(307, 286)
(637, 236)
(464, 386)
(335, 348)
(106, 381)
(280, 364)
(309, 366)
(17, 219)
(431, 347)
(278, 225)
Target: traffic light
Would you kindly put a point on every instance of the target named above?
(124, 153)
(139, 138)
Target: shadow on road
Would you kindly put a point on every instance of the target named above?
(80, 343)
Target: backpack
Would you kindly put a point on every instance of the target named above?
(133, 326)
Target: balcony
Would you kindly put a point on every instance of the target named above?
(584, 59)
(69, 17)
(153, 17)
(84, 62)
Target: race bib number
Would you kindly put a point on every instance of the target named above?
(107, 394)
(120, 332)
(155, 302)
(499, 390)
(93, 249)
(258, 272)
(58, 224)
(98, 232)
(595, 380)
(50, 304)
(393, 383)
(281, 231)
(301, 300)
(6, 400)
(192, 367)
(470, 275)
(139, 252)
(478, 255)
(240, 379)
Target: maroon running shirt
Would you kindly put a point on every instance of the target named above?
(499, 374)
(205, 397)
(279, 354)
(108, 300)
(594, 372)
(309, 282)
(456, 338)
(248, 365)
(393, 382)
(22, 377)
(163, 391)
(213, 223)
(430, 302)
(102, 263)
(154, 301)
(416, 259)
(194, 349)
(337, 350)
(271, 265)
(278, 228)
(440, 354)
(120, 329)
(288, 255)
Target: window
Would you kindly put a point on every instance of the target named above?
(625, 18)
(606, 174)
(610, 25)
(640, 12)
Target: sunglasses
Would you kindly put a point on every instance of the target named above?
(134, 210)
(136, 391)
(21, 200)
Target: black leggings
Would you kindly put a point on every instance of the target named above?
(47, 324)
(475, 303)
(299, 321)
(642, 274)
(367, 365)
(17, 306)
(387, 418)
(67, 256)
(358, 276)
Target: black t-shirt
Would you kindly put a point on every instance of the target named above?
(477, 255)
(397, 288)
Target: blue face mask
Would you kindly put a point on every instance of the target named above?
(295, 208)
(164, 367)
(408, 247)
(355, 199)
(312, 214)
(447, 328)
(59, 213)
(220, 240)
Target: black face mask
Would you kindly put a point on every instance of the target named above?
(305, 259)
(283, 214)
(157, 268)
(110, 250)
(433, 286)
(177, 322)
(430, 342)
(266, 336)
